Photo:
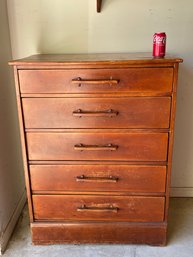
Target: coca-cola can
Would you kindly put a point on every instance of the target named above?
(159, 44)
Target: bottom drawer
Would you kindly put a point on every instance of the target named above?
(111, 208)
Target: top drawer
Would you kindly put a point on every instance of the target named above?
(96, 80)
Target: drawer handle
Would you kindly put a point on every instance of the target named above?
(109, 208)
(107, 113)
(108, 147)
(83, 178)
(80, 81)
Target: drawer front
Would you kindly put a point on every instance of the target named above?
(98, 146)
(96, 80)
(111, 208)
(93, 178)
(132, 112)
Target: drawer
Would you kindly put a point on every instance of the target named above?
(130, 146)
(111, 208)
(93, 178)
(131, 112)
(96, 80)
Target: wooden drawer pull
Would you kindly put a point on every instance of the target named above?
(83, 178)
(108, 147)
(109, 208)
(80, 81)
(107, 113)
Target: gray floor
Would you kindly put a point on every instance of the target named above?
(180, 240)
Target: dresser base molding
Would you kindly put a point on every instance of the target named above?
(99, 232)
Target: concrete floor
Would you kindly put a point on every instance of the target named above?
(180, 240)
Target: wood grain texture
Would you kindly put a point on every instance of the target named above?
(105, 166)
(23, 144)
(98, 178)
(84, 207)
(130, 80)
(106, 59)
(130, 146)
(99, 232)
(171, 141)
(133, 112)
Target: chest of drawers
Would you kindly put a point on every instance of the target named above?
(97, 138)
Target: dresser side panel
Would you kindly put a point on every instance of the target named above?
(23, 143)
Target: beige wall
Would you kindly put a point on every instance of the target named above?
(47, 26)
(11, 171)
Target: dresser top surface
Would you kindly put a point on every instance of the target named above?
(107, 58)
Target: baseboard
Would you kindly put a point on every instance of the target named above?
(181, 192)
(12, 222)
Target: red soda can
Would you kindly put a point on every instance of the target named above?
(159, 44)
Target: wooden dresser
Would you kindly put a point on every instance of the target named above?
(97, 137)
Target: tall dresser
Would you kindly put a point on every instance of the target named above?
(97, 137)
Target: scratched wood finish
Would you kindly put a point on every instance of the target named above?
(99, 232)
(133, 112)
(115, 60)
(104, 178)
(129, 146)
(111, 208)
(129, 80)
(141, 140)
